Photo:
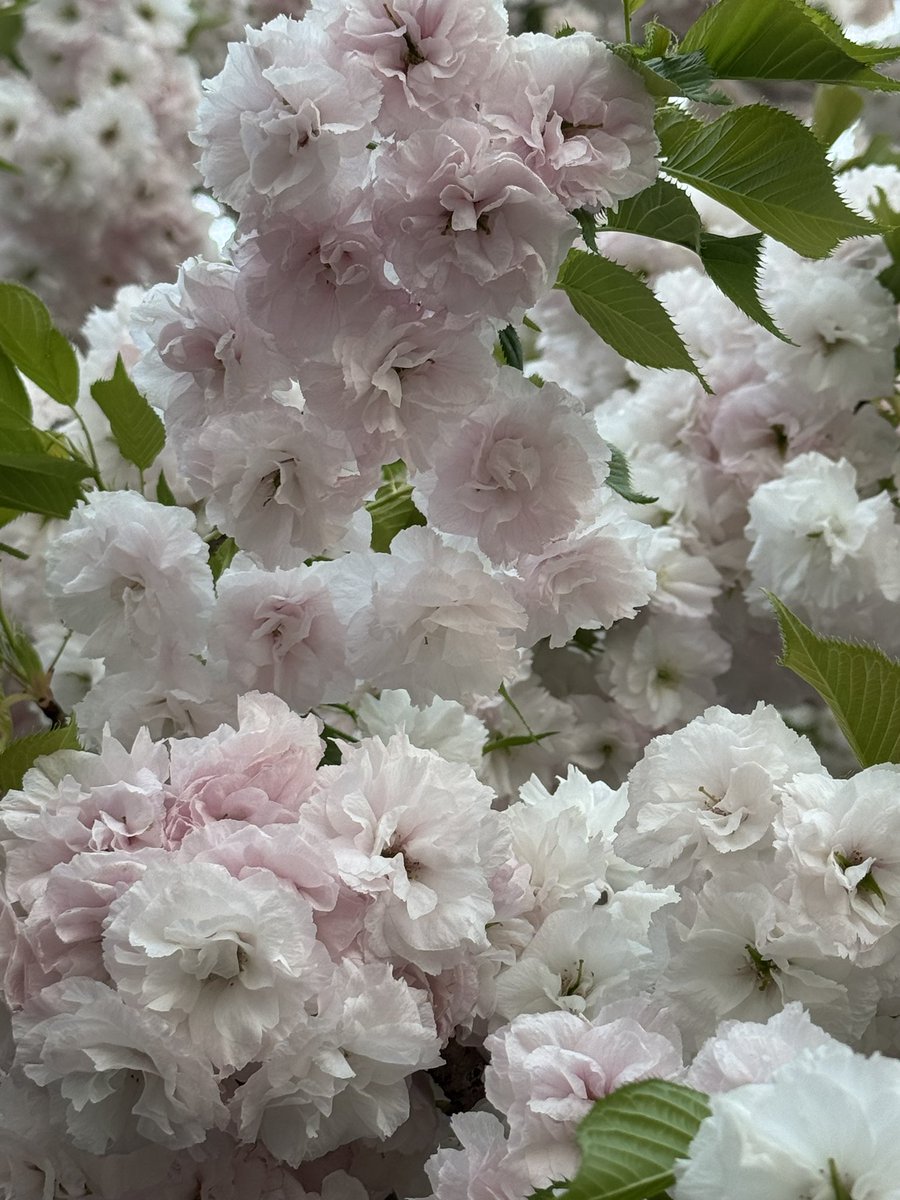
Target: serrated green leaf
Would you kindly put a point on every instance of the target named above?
(619, 478)
(22, 754)
(40, 484)
(221, 553)
(164, 494)
(511, 347)
(778, 39)
(138, 431)
(864, 54)
(860, 685)
(587, 223)
(670, 75)
(836, 108)
(35, 345)
(662, 211)
(13, 395)
(624, 312)
(766, 166)
(631, 1138)
(732, 263)
(391, 511)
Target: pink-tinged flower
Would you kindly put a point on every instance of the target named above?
(74, 801)
(278, 119)
(133, 575)
(589, 580)
(260, 772)
(467, 226)
(341, 1074)
(122, 1075)
(417, 836)
(277, 631)
(578, 117)
(546, 1071)
(229, 961)
(519, 472)
(432, 57)
(482, 1168)
(427, 618)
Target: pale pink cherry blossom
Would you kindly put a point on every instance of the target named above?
(131, 574)
(261, 772)
(417, 835)
(442, 725)
(596, 576)
(838, 842)
(398, 374)
(123, 1076)
(481, 1168)
(341, 1074)
(827, 1119)
(65, 924)
(577, 116)
(201, 354)
(279, 481)
(276, 122)
(465, 224)
(662, 670)
(73, 802)
(519, 472)
(298, 275)
(547, 1070)
(297, 854)
(229, 961)
(750, 1052)
(427, 617)
(277, 631)
(711, 788)
(433, 58)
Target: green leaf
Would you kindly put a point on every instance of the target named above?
(35, 345)
(766, 166)
(624, 312)
(11, 27)
(164, 494)
(22, 754)
(221, 552)
(779, 39)
(732, 263)
(631, 1138)
(40, 483)
(518, 739)
(836, 108)
(393, 508)
(666, 75)
(511, 347)
(587, 223)
(860, 685)
(12, 390)
(619, 478)
(139, 433)
(661, 211)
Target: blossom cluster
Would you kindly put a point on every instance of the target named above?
(388, 856)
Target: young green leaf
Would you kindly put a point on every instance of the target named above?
(860, 685)
(164, 494)
(686, 75)
(766, 166)
(392, 510)
(222, 550)
(40, 483)
(779, 39)
(619, 478)
(139, 433)
(631, 1138)
(35, 345)
(13, 395)
(511, 347)
(835, 109)
(22, 754)
(661, 211)
(624, 312)
(732, 263)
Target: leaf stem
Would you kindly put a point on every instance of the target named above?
(626, 12)
(91, 451)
